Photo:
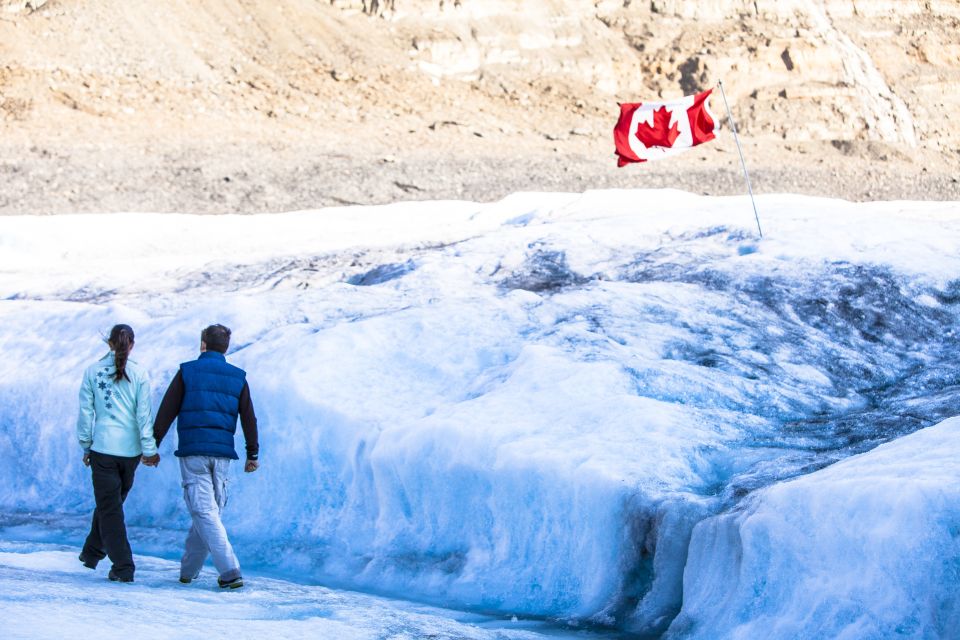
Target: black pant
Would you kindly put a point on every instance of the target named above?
(112, 479)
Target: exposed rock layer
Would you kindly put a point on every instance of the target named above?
(310, 99)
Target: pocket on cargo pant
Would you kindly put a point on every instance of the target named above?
(193, 469)
(199, 497)
(221, 479)
(220, 493)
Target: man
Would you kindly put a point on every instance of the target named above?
(205, 397)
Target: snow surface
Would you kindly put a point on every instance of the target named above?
(523, 407)
(86, 605)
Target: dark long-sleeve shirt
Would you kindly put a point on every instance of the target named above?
(170, 408)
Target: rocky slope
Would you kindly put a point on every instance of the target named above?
(242, 105)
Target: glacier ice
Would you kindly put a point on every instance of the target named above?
(523, 407)
(867, 548)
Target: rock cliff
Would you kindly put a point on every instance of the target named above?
(423, 83)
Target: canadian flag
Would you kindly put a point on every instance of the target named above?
(654, 130)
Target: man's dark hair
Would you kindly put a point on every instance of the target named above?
(216, 337)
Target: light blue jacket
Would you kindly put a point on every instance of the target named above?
(115, 417)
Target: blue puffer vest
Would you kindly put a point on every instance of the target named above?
(211, 402)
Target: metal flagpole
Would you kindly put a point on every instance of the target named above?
(733, 126)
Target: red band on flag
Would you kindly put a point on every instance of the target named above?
(701, 124)
(621, 134)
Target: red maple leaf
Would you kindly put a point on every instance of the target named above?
(661, 134)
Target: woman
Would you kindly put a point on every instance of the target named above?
(115, 429)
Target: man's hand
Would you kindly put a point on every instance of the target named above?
(251, 466)
(86, 459)
(151, 461)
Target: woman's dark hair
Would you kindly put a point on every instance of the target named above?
(121, 341)
(216, 337)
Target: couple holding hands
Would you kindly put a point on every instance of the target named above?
(117, 432)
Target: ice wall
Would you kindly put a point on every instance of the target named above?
(867, 548)
(520, 407)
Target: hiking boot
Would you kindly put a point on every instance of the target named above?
(115, 577)
(189, 579)
(236, 583)
(87, 561)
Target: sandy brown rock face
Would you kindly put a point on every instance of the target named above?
(140, 105)
(18, 6)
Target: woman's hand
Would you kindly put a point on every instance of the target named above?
(151, 461)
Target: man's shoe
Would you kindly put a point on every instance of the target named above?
(89, 563)
(236, 583)
(114, 577)
(189, 579)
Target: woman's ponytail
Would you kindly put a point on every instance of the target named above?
(121, 341)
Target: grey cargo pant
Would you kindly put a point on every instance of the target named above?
(205, 492)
